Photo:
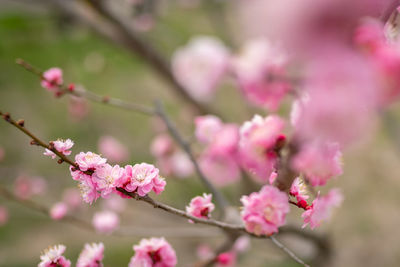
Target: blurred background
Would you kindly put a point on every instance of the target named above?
(363, 231)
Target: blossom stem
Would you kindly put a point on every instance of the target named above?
(36, 140)
(90, 95)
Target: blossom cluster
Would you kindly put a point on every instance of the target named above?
(97, 178)
(253, 147)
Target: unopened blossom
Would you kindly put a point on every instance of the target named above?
(319, 162)
(91, 255)
(113, 149)
(201, 206)
(207, 128)
(153, 252)
(226, 259)
(321, 208)
(259, 139)
(222, 170)
(106, 177)
(260, 69)
(61, 146)
(265, 211)
(200, 65)
(58, 211)
(89, 161)
(72, 198)
(142, 178)
(299, 190)
(3, 215)
(52, 79)
(53, 256)
(105, 221)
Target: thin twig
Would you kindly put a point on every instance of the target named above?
(173, 130)
(45, 211)
(90, 95)
(94, 14)
(159, 111)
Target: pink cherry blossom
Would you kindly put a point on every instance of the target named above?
(88, 189)
(153, 252)
(369, 35)
(226, 259)
(52, 79)
(106, 177)
(341, 99)
(61, 146)
(258, 140)
(180, 164)
(89, 161)
(142, 178)
(3, 215)
(72, 198)
(58, 211)
(226, 140)
(53, 256)
(201, 206)
(299, 190)
(265, 211)
(91, 255)
(161, 145)
(207, 128)
(200, 65)
(204, 252)
(105, 221)
(318, 162)
(242, 244)
(112, 149)
(321, 208)
(381, 44)
(261, 69)
(222, 170)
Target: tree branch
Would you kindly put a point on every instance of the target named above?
(158, 111)
(222, 225)
(118, 32)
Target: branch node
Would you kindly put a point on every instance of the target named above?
(21, 122)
